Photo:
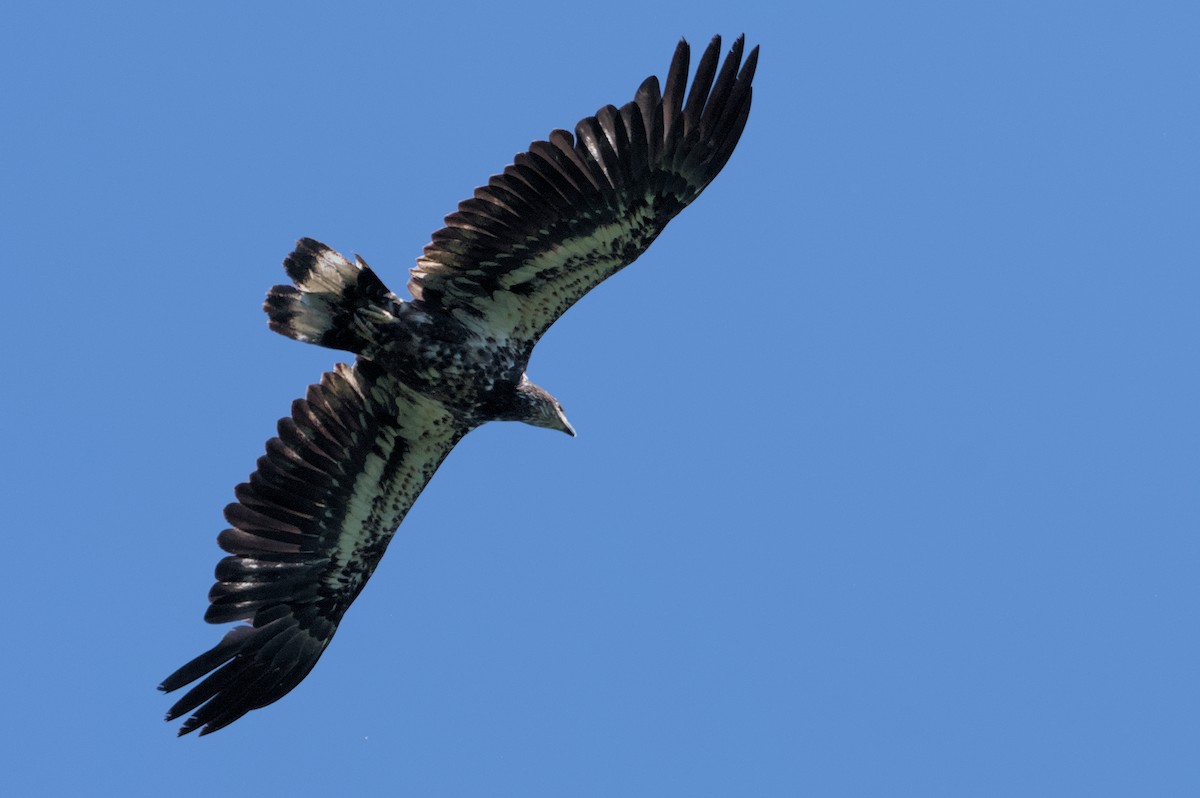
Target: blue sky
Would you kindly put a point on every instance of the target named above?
(886, 480)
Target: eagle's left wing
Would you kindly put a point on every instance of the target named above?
(307, 531)
(571, 212)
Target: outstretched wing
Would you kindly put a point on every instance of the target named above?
(307, 531)
(571, 212)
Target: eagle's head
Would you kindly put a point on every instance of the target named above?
(539, 408)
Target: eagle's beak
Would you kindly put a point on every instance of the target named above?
(566, 425)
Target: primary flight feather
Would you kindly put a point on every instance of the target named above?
(311, 524)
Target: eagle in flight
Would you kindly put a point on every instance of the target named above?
(311, 524)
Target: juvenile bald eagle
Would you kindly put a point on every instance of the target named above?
(308, 529)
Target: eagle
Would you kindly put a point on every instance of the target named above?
(309, 527)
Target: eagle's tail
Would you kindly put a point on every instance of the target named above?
(335, 303)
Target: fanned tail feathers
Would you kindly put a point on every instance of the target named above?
(334, 302)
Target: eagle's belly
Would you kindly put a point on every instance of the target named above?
(468, 373)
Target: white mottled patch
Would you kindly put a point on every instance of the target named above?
(558, 272)
(376, 507)
(355, 526)
(578, 263)
(330, 273)
(504, 314)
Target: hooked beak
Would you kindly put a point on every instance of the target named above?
(566, 425)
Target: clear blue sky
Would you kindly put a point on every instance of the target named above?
(886, 480)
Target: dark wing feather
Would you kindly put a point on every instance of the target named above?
(306, 533)
(573, 211)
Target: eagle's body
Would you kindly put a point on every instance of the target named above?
(311, 524)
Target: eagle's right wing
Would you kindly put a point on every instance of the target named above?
(571, 212)
(307, 531)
